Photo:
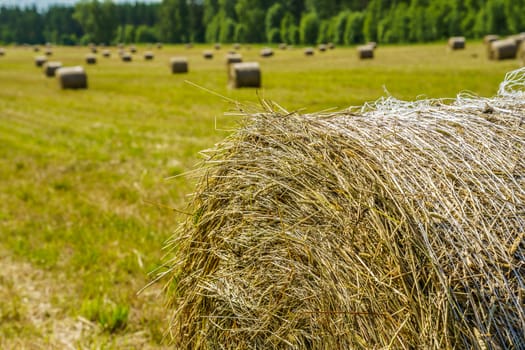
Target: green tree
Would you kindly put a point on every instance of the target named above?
(274, 16)
(354, 28)
(97, 19)
(145, 34)
(309, 28)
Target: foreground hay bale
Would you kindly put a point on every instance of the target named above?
(365, 52)
(503, 49)
(40, 60)
(398, 225)
(72, 77)
(179, 65)
(91, 59)
(247, 74)
(51, 67)
(456, 43)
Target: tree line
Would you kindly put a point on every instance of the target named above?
(343, 22)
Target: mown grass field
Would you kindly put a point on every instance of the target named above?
(87, 186)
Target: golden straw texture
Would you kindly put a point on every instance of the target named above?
(395, 225)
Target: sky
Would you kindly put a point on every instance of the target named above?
(46, 3)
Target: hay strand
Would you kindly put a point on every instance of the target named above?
(398, 225)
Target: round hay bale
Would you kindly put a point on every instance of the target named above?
(91, 59)
(120, 46)
(236, 46)
(309, 51)
(283, 46)
(233, 58)
(365, 52)
(126, 57)
(503, 49)
(133, 49)
(456, 43)
(106, 53)
(487, 39)
(36, 48)
(519, 38)
(207, 54)
(266, 52)
(322, 47)
(244, 74)
(40, 60)
(148, 55)
(72, 77)
(217, 46)
(179, 65)
(331, 46)
(159, 46)
(51, 67)
(189, 45)
(398, 225)
(94, 49)
(2, 51)
(48, 52)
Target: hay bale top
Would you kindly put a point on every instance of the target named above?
(373, 44)
(394, 225)
(71, 70)
(178, 59)
(233, 58)
(487, 39)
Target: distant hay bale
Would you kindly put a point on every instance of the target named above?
(283, 46)
(133, 49)
(91, 59)
(72, 77)
(40, 60)
(126, 57)
(331, 46)
(503, 49)
(266, 52)
(373, 44)
(48, 52)
(179, 65)
(94, 49)
(322, 47)
(398, 225)
(2, 51)
(159, 46)
(309, 51)
(120, 46)
(456, 43)
(365, 52)
(51, 67)
(246, 74)
(217, 46)
(233, 58)
(148, 55)
(106, 53)
(236, 46)
(189, 45)
(487, 39)
(207, 54)
(36, 48)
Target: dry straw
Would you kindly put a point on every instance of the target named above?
(72, 77)
(398, 225)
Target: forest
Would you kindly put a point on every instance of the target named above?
(299, 22)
